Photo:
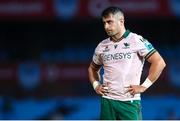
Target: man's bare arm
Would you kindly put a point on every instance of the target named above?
(93, 72)
(156, 67)
(94, 77)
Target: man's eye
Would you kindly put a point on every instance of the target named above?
(109, 22)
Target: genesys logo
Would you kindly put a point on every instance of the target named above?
(116, 56)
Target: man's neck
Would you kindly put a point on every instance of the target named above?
(119, 36)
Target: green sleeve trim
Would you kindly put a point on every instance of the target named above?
(150, 54)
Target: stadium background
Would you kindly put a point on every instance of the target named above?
(47, 45)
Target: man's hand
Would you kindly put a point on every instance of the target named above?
(135, 89)
(101, 90)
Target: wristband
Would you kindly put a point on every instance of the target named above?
(147, 83)
(95, 84)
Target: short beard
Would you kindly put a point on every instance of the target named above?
(111, 34)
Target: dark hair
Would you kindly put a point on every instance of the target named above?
(111, 10)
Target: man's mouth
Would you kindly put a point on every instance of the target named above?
(108, 30)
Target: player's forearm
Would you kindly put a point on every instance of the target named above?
(93, 74)
(155, 70)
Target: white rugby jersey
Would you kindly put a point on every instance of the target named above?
(122, 62)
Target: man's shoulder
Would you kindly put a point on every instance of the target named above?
(102, 43)
(105, 41)
(135, 35)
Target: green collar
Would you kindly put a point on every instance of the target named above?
(126, 33)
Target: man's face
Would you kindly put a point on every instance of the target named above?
(112, 24)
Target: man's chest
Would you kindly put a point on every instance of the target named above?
(117, 52)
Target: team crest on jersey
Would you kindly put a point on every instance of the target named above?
(106, 49)
(126, 45)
